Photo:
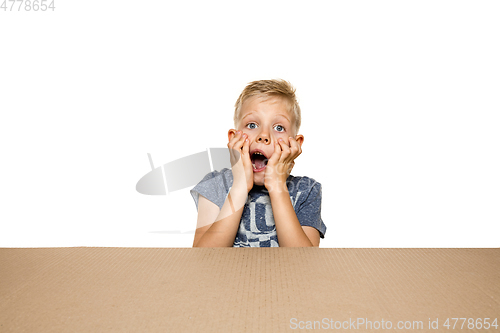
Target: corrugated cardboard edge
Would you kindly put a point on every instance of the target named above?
(86, 289)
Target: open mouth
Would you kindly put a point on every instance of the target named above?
(259, 160)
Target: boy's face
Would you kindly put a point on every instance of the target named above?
(265, 120)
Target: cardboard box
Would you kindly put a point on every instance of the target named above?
(248, 290)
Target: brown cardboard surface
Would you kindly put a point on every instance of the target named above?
(247, 290)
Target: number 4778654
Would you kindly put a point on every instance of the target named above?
(29, 5)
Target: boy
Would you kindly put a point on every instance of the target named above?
(258, 203)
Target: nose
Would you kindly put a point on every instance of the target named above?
(263, 137)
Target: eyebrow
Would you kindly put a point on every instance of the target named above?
(282, 115)
(279, 115)
(248, 114)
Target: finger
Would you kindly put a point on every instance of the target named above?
(234, 146)
(285, 149)
(246, 147)
(241, 140)
(233, 136)
(276, 155)
(237, 141)
(294, 148)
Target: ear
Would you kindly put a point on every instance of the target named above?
(230, 134)
(300, 139)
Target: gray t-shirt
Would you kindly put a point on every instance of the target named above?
(257, 228)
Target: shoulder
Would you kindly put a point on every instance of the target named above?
(222, 179)
(303, 184)
(306, 196)
(304, 191)
(214, 186)
(222, 175)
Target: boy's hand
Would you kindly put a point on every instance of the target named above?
(241, 164)
(281, 163)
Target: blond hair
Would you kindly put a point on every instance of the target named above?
(269, 88)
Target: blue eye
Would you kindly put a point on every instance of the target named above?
(279, 128)
(252, 126)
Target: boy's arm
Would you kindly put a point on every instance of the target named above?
(218, 228)
(288, 228)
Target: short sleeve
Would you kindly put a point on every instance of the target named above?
(309, 211)
(214, 186)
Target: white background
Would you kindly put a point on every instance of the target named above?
(400, 105)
